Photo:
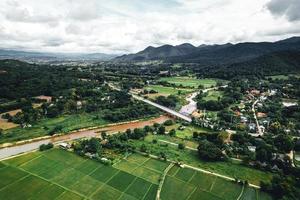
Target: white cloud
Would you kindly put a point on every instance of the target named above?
(123, 26)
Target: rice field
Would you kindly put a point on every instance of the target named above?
(184, 183)
(58, 174)
(190, 82)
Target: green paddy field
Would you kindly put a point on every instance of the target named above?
(58, 174)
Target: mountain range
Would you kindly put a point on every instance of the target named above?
(212, 54)
(52, 57)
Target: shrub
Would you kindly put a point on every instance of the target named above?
(55, 130)
(169, 122)
(172, 133)
(45, 147)
(181, 146)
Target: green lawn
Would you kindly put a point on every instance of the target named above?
(162, 90)
(213, 95)
(283, 77)
(187, 133)
(190, 82)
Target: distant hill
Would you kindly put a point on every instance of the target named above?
(165, 51)
(50, 57)
(212, 54)
(280, 62)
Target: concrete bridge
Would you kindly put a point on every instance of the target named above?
(168, 110)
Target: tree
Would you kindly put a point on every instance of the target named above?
(281, 187)
(161, 130)
(156, 125)
(44, 147)
(56, 129)
(128, 131)
(94, 146)
(143, 148)
(169, 122)
(181, 146)
(283, 143)
(172, 132)
(209, 151)
(1, 132)
(147, 129)
(263, 153)
(103, 135)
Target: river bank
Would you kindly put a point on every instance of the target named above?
(33, 144)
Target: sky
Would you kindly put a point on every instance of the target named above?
(127, 26)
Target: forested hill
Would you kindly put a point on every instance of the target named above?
(20, 79)
(282, 62)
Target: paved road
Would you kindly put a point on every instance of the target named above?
(259, 132)
(192, 105)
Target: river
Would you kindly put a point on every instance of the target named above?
(110, 129)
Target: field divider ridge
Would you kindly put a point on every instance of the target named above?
(163, 180)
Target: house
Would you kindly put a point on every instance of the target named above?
(244, 119)
(64, 145)
(252, 126)
(255, 92)
(163, 72)
(289, 104)
(261, 115)
(79, 104)
(47, 99)
(252, 148)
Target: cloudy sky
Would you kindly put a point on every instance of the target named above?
(124, 26)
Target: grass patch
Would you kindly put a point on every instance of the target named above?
(190, 82)
(68, 122)
(165, 91)
(213, 95)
